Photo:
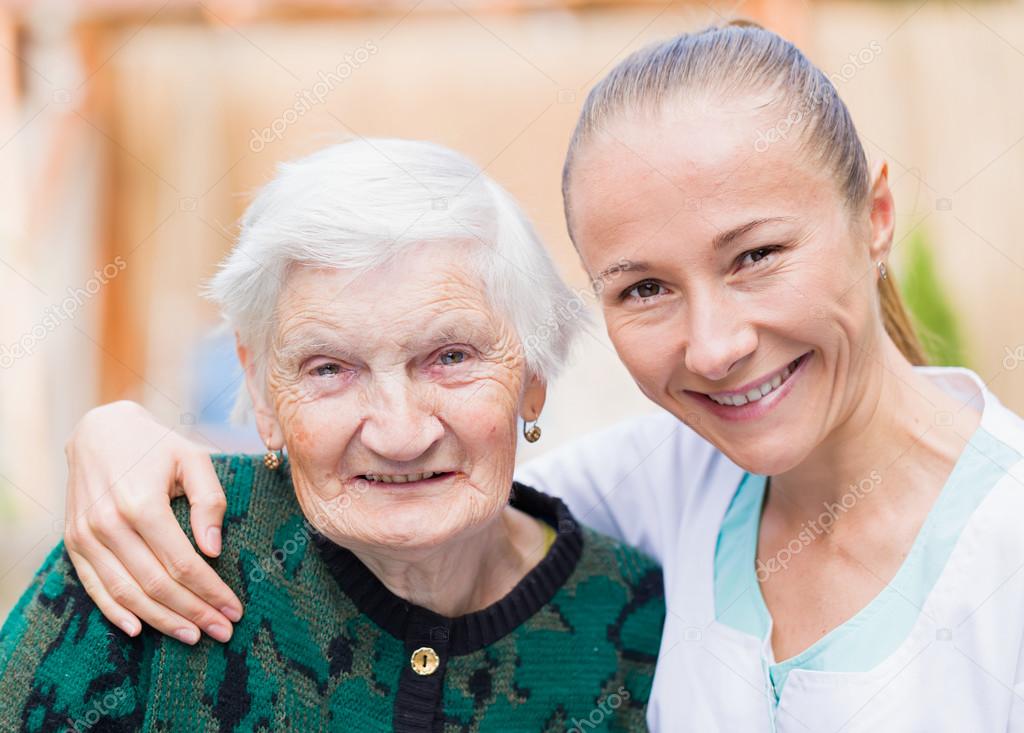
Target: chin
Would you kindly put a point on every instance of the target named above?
(412, 528)
(770, 457)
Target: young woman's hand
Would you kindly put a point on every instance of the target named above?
(131, 555)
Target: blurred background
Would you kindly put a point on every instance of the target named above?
(132, 133)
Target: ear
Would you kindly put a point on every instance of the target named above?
(534, 395)
(882, 213)
(266, 419)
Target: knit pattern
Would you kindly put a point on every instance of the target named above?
(303, 657)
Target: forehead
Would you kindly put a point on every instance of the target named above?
(426, 285)
(698, 170)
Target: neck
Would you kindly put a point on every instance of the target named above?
(889, 437)
(468, 573)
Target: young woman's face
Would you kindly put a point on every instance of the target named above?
(734, 284)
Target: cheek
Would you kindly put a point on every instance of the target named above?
(316, 432)
(649, 350)
(844, 319)
(483, 421)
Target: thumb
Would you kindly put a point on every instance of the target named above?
(206, 499)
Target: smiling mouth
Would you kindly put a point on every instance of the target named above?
(762, 389)
(405, 478)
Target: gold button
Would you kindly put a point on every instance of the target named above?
(424, 661)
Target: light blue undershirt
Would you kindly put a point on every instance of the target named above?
(877, 630)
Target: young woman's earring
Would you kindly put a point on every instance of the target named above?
(532, 435)
(271, 459)
(882, 271)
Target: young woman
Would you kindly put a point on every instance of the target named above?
(843, 552)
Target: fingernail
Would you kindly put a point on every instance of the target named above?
(129, 626)
(187, 636)
(232, 614)
(213, 539)
(218, 632)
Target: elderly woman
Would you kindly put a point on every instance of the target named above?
(388, 300)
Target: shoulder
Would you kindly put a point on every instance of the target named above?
(259, 501)
(635, 576)
(615, 584)
(61, 660)
(652, 455)
(604, 574)
(659, 438)
(603, 625)
(998, 445)
(639, 480)
(615, 602)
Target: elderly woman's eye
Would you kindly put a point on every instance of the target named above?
(644, 290)
(326, 370)
(452, 357)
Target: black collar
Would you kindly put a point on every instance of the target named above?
(473, 631)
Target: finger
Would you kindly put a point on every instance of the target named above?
(166, 584)
(206, 499)
(114, 611)
(160, 531)
(125, 591)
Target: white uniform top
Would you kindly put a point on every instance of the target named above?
(656, 484)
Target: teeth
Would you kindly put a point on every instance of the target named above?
(401, 478)
(757, 392)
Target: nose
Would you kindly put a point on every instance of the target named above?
(398, 425)
(720, 336)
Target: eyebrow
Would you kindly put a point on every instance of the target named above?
(724, 239)
(294, 348)
(621, 266)
(317, 340)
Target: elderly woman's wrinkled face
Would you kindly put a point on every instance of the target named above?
(396, 393)
(736, 288)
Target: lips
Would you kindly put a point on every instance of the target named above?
(403, 478)
(759, 389)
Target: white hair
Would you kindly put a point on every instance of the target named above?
(357, 205)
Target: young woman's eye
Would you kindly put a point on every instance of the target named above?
(451, 357)
(757, 257)
(326, 370)
(644, 290)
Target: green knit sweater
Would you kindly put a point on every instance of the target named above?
(323, 645)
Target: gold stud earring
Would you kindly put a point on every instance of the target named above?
(271, 459)
(532, 435)
(882, 271)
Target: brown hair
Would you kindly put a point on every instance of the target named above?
(743, 56)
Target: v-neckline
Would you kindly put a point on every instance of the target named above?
(951, 509)
(869, 609)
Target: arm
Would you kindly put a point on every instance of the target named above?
(132, 556)
(631, 481)
(61, 668)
